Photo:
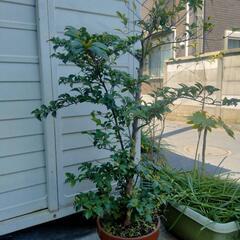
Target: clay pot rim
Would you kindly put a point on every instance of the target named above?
(123, 238)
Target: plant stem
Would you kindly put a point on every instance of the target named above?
(161, 136)
(203, 102)
(117, 131)
(204, 152)
(205, 130)
(135, 130)
(114, 117)
(129, 189)
(196, 153)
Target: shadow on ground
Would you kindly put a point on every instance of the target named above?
(74, 227)
(181, 162)
(185, 163)
(69, 228)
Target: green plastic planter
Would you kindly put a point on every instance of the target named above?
(187, 224)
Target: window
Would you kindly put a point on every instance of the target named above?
(232, 39)
(233, 43)
(158, 55)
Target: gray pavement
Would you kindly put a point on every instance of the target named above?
(183, 141)
(69, 228)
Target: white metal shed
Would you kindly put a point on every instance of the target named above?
(34, 156)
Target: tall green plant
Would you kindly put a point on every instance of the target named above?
(102, 84)
(204, 122)
(124, 114)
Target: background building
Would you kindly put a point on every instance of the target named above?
(218, 64)
(224, 14)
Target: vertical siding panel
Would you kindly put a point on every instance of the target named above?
(72, 147)
(22, 162)
(31, 150)
(47, 95)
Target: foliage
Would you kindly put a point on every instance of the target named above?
(147, 144)
(152, 145)
(201, 120)
(101, 84)
(215, 197)
(118, 195)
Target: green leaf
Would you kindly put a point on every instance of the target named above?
(71, 179)
(122, 17)
(88, 214)
(99, 52)
(200, 120)
(134, 6)
(71, 32)
(148, 218)
(211, 89)
(100, 45)
(99, 211)
(227, 129)
(133, 203)
(95, 119)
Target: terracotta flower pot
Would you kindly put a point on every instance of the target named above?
(107, 236)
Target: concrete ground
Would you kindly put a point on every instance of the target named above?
(182, 140)
(69, 228)
(182, 143)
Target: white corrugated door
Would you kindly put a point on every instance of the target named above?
(73, 147)
(35, 156)
(22, 164)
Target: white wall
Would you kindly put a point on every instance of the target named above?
(219, 69)
(73, 147)
(22, 163)
(35, 156)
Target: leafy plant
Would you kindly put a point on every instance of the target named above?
(201, 120)
(153, 147)
(215, 197)
(102, 84)
(118, 197)
(205, 95)
(148, 145)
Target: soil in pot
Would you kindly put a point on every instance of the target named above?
(138, 231)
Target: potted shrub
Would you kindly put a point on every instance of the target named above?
(202, 208)
(207, 205)
(124, 210)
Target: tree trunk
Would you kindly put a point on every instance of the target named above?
(135, 129)
(196, 152)
(204, 152)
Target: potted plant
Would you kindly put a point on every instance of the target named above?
(208, 205)
(124, 210)
(202, 208)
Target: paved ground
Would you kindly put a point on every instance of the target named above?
(69, 228)
(182, 140)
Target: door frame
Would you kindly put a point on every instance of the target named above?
(44, 20)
